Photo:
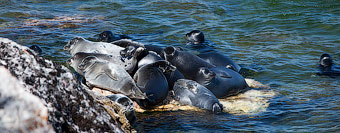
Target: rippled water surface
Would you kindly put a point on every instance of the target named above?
(280, 41)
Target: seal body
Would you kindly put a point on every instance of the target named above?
(219, 59)
(109, 76)
(126, 104)
(79, 44)
(221, 81)
(189, 92)
(129, 63)
(188, 64)
(195, 37)
(150, 79)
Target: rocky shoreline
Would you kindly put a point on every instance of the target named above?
(71, 107)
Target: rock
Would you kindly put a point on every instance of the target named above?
(20, 111)
(71, 108)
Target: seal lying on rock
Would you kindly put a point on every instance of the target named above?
(151, 80)
(109, 76)
(327, 67)
(126, 104)
(128, 63)
(79, 44)
(187, 63)
(221, 81)
(189, 92)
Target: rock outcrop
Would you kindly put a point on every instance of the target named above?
(20, 111)
(71, 107)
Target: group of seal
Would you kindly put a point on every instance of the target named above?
(148, 73)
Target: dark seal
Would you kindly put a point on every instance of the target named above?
(327, 67)
(189, 92)
(221, 81)
(188, 64)
(108, 36)
(151, 80)
(219, 59)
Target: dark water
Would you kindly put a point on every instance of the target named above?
(280, 40)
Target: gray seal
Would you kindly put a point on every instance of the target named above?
(219, 59)
(126, 104)
(151, 80)
(221, 81)
(79, 44)
(189, 92)
(109, 76)
(188, 64)
(129, 63)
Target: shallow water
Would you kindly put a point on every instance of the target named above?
(280, 41)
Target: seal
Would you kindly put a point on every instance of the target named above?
(221, 81)
(126, 104)
(327, 67)
(79, 44)
(219, 59)
(108, 36)
(195, 37)
(150, 79)
(109, 76)
(150, 58)
(36, 49)
(153, 57)
(129, 63)
(128, 42)
(188, 64)
(189, 92)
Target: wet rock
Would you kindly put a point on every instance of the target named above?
(20, 111)
(71, 108)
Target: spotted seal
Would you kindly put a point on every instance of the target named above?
(189, 92)
(109, 76)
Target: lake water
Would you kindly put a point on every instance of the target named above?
(279, 41)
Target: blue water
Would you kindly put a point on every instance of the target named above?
(280, 41)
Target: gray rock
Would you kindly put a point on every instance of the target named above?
(20, 111)
(70, 107)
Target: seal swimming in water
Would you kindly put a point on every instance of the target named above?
(126, 104)
(221, 81)
(188, 64)
(219, 59)
(108, 36)
(109, 76)
(36, 48)
(189, 92)
(128, 63)
(195, 37)
(151, 80)
(327, 67)
(79, 44)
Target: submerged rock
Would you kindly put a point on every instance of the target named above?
(20, 111)
(71, 108)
